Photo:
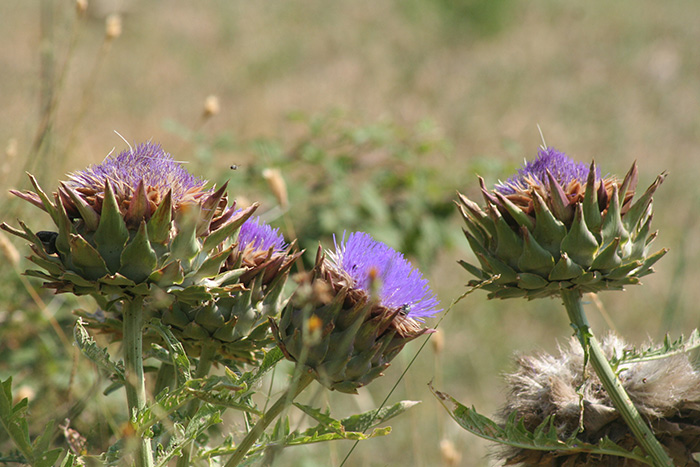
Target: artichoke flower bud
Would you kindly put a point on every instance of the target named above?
(558, 225)
(137, 224)
(354, 312)
(257, 265)
(665, 391)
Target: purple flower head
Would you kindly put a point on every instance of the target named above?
(400, 285)
(147, 162)
(260, 236)
(563, 169)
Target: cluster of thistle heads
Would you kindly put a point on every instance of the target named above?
(138, 225)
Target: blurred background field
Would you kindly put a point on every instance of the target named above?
(375, 114)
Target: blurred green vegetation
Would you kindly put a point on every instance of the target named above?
(614, 82)
(343, 176)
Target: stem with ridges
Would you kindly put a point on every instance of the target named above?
(611, 383)
(206, 357)
(289, 395)
(133, 363)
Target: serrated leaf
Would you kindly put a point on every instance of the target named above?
(217, 390)
(543, 438)
(329, 423)
(351, 435)
(14, 421)
(206, 416)
(113, 455)
(99, 356)
(667, 349)
(271, 358)
(177, 352)
(364, 421)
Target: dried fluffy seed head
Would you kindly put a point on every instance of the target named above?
(666, 392)
(555, 226)
(365, 321)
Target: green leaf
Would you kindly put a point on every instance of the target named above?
(165, 403)
(14, 421)
(177, 352)
(48, 458)
(69, 460)
(364, 421)
(309, 436)
(205, 417)
(543, 438)
(271, 358)
(217, 390)
(99, 356)
(41, 445)
(113, 456)
(667, 349)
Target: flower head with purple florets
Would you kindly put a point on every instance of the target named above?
(400, 285)
(362, 303)
(257, 235)
(534, 173)
(556, 223)
(147, 163)
(261, 249)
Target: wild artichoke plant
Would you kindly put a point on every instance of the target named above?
(354, 313)
(557, 229)
(558, 225)
(666, 392)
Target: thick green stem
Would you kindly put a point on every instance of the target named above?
(611, 383)
(133, 364)
(206, 357)
(289, 395)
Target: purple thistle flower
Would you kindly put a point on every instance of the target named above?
(260, 236)
(365, 260)
(147, 162)
(563, 169)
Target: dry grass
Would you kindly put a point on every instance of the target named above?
(614, 82)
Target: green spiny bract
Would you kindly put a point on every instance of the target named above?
(554, 228)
